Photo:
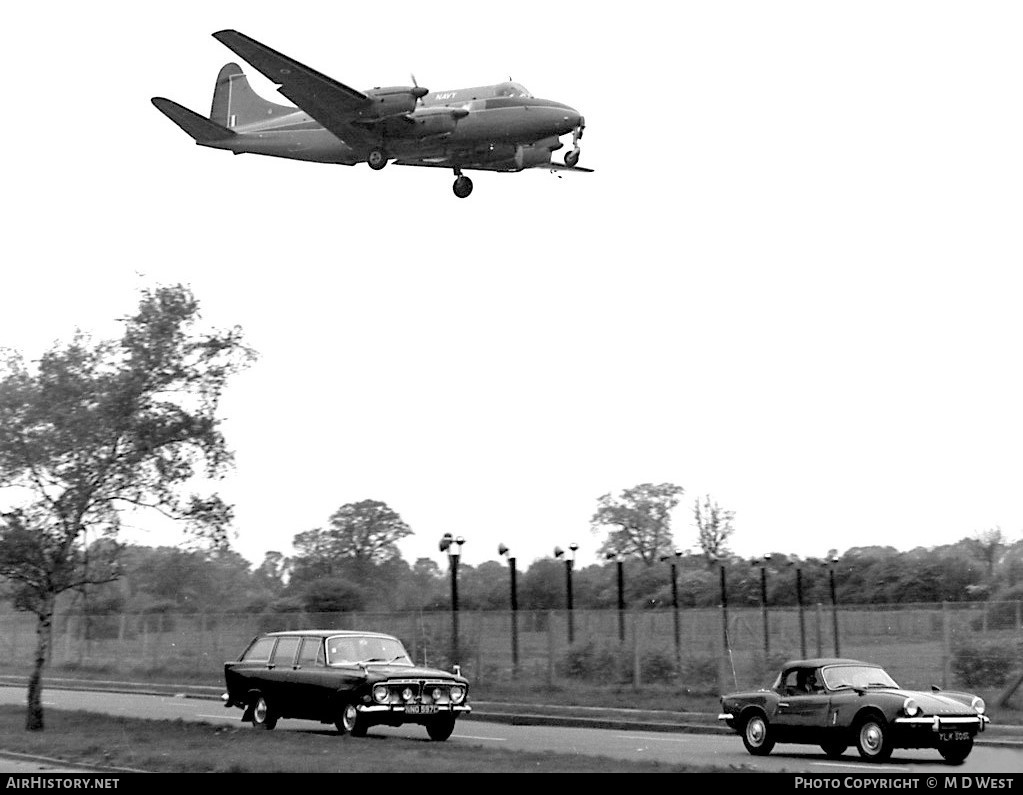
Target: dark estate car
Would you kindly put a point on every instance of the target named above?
(836, 703)
(354, 680)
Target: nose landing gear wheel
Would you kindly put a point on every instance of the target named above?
(462, 187)
(572, 158)
(377, 159)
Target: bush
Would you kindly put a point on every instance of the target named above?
(985, 664)
(590, 660)
(658, 667)
(701, 671)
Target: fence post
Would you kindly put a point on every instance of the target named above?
(946, 646)
(550, 648)
(820, 630)
(479, 643)
(636, 667)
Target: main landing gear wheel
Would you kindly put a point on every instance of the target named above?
(462, 186)
(572, 158)
(377, 159)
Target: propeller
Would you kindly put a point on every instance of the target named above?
(418, 91)
(578, 134)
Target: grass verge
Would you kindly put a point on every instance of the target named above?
(93, 739)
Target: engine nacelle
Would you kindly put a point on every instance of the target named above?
(392, 100)
(437, 121)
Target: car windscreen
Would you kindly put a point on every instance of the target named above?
(856, 676)
(353, 649)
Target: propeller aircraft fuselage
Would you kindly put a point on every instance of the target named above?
(499, 127)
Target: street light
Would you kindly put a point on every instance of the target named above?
(830, 563)
(453, 546)
(617, 558)
(763, 601)
(505, 552)
(569, 560)
(674, 599)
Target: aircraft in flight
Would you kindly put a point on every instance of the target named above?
(500, 127)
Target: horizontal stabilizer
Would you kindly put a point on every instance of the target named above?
(199, 127)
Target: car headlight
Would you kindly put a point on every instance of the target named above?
(457, 694)
(436, 694)
(407, 694)
(380, 694)
(910, 707)
(978, 704)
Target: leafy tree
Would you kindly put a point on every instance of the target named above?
(270, 575)
(95, 429)
(363, 533)
(640, 519)
(987, 545)
(714, 528)
(367, 530)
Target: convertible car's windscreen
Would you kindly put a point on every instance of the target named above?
(856, 676)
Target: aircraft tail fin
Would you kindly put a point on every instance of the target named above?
(199, 127)
(236, 104)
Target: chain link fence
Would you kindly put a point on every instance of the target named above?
(705, 650)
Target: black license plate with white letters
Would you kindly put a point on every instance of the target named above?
(421, 709)
(953, 737)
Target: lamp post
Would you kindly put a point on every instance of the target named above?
(617, 558)
(569, 560)
(674, 600)
(830, 563)
(505, 552)
(799, 603)
(453, 546)
(763, 602)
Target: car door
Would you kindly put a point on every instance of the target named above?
(804, 707)
(310, 685)
(279, 687)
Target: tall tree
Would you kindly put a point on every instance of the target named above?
(368, 531)
(987, 545)
(361, 536)
(713, 527)
(640, 521)
(95, 429)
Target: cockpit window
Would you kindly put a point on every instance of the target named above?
(512, 90)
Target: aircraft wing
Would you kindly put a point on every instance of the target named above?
(334, 105)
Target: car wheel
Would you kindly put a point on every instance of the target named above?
(348, 721)
(262, 716)
(872, 739)
(756, 735)
(440, 729)
(834, 750)
(956, 753)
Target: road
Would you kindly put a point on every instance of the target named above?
(671, 747)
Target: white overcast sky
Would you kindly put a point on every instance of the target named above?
(793, 281)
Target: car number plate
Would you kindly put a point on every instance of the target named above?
(951, 737)
(420, 709)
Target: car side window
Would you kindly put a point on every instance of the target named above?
(284, 654)
(311, 652)
(260, 650)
